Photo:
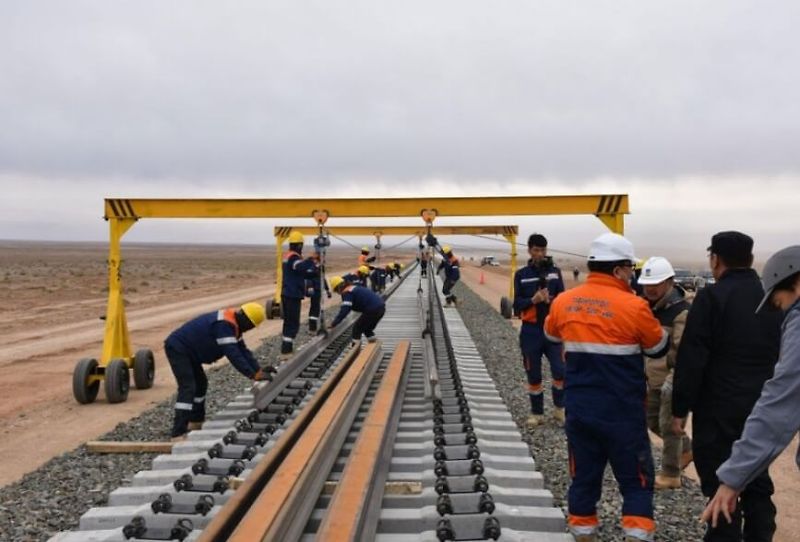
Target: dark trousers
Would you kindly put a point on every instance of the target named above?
(291, 322)
(366, 323)
(423, 266)
(315, 306)
(626, 446)
(534, 346)
(190, 405)
(446, 288)
(754, 517)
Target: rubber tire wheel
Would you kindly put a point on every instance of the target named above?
(269, 304)
(85, 393)
(144, 369)
(117, 381)
(505, 308)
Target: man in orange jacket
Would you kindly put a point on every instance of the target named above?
(605, 329)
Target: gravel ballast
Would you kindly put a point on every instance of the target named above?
(54, 497)
(676, 511)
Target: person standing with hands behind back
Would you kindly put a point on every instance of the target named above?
(535, 286)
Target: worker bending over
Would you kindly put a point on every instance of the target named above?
(359, 299)
(605, 329)
(204, 340)
(451, 274)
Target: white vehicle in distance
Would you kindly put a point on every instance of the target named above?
(704, 279)
(489, 260)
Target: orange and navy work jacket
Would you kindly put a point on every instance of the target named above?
(527, 281)
(605, 329)
(211, 336)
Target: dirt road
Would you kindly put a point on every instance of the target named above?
(784, 471)
(42, 342)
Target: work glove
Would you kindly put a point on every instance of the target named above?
(260, 376)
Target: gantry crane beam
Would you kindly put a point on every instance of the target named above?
(343, 231)
(609, 208)
(123, 213)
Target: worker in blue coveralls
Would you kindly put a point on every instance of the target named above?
(293, 290)
(358, 278)
(204, 340)
(314, 286)
(535, 286)
(450, 266)
(359, 299)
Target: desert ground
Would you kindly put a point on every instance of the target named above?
(53, 297)
(55, 293)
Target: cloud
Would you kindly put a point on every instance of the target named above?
(272, 93)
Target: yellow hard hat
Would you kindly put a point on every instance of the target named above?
(402, 266)
(255, 312)
(639, 263)
(363, 269)
(336, 282)
(446, 249)
(295, 237)
(364, 249)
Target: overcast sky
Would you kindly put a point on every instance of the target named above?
(690, 107)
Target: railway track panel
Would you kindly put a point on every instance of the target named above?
(454, 463)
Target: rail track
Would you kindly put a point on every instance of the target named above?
(399, 440)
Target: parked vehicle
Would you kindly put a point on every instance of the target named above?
(489, 260)
(706, 278)
(685, 279)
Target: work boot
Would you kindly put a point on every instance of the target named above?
(534, 420)
(558, 415)
(667, 482)
(312, 326)
(287, 349)
(372, 339)
(686, 458)
(194, 426)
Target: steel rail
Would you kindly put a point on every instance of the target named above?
(353, 512)
(226, 520)
(282, 508)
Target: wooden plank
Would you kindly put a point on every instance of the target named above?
(345, 514)
(397, 487)
(127, 447)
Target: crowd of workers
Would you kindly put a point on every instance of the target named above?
(731, 357)
(725, 357)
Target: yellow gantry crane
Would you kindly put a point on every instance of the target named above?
(116, 361)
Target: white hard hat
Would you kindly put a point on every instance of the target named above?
(656, 270)
(611, 247)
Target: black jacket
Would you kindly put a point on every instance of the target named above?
(727, 351)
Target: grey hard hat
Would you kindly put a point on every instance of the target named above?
(781, 265)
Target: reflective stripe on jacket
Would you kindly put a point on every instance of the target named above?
(527, 281)
(294, 274)
(605, 329)
(211, 336)
(357, 298)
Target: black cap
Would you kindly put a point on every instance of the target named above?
(537, 240)
(732, 245)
